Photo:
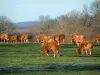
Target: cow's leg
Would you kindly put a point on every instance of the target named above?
(97, 40)
(7, 40)
(27, 41)
(82, 51)
(77, 44)
(58, 43)
(24, 41)
(63, 40)
(90, 51)
(86, 52)
(74, 42)
(55, 53)
(47, 53)
(4, 40)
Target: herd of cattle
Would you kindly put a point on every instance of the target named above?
(51, 42)
(13, 38)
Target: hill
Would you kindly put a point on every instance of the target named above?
(23, 24)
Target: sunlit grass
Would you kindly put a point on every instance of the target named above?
(22, 54)
(30, 54)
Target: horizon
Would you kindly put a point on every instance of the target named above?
(30, 10)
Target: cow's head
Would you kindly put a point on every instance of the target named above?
(78, 51)
(42, 52)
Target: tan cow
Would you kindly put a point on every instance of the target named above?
(97, 38)
(77, 39)
(40, 37)
(45, 37)
(56, 37)
(13, 38)
(50, 45)
(62, 37)
(85, 48)
(24, 38)
(4, 37)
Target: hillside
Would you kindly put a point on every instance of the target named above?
(23, 24)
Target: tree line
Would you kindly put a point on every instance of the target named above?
(85, 22)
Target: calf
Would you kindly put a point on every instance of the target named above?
(50, 45)
(85, 48)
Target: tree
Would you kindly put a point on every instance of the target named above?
(95, 8)
(85, 18)
(47, 23)
(95, 14)
(5, 25)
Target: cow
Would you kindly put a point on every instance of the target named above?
(13, 38)
(62, 37)
(40, 37)
(24, 38)
(56, 38)
(97, 38)
(43, 37)
(77, 39)
(4, 37)
(85, 48)
(50, 45)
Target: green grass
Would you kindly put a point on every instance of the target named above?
(28, 54)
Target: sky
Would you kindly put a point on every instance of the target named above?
(30, 10)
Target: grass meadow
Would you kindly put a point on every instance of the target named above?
(25, 59)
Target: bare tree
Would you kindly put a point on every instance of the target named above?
(5, 25)
(95, 14)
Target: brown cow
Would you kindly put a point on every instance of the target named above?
(49, 45)
(59, 37)
(24, 38)
(62, 37)
(43, 37)
(77, 39)
(56, 37)
(13, 38)
(97, 38)
(4, 36)
(85, 48)
(40, 37)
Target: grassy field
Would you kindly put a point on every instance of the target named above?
(20, 59)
